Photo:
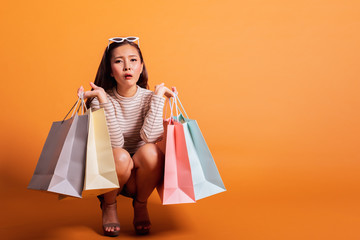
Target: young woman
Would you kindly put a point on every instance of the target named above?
(134, 118)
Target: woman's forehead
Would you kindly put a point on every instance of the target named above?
(122, 56)
(125, 51)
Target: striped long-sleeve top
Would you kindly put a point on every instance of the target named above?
(133, 121)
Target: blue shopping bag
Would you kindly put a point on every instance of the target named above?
(205, 175)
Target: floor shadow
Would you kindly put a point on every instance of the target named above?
(31, 214)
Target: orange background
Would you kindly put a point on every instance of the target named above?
(273, 85)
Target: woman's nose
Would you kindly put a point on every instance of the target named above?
(126, 66)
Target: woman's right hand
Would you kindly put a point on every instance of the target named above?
(98, 92)
(161, 90)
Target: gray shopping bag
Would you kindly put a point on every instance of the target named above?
(60, 168)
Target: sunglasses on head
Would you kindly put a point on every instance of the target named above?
(121, 39)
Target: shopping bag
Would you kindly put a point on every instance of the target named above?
(100, 171)
(60, 168)
(205, 175)
(177, 186)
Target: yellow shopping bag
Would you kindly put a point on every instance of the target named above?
(100, 172)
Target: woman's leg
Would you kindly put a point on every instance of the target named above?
(123, 165)
(148, 171)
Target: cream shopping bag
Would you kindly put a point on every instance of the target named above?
(100, 172)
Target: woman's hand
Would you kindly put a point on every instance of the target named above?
(98, 92)
(160, 90)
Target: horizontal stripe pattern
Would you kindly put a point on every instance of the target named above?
(133, 121)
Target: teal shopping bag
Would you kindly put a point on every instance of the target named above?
(205, 175)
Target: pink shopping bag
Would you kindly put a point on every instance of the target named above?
(177, 186)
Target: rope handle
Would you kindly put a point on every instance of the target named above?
(177, 97)
(82, 105)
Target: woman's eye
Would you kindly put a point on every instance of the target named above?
(134, 59)
(117, 61)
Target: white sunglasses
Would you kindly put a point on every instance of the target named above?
(121, 39)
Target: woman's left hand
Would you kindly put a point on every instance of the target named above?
(160, 90)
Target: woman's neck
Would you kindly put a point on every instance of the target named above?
(126, 92)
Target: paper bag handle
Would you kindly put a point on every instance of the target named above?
(82, 105)
(171, 107)
(177, 97)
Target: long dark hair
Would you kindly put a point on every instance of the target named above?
(105, 80)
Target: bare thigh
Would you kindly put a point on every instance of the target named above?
(147, 156)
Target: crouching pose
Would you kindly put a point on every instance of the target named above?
(134, 117)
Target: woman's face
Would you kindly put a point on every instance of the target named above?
(126, 60)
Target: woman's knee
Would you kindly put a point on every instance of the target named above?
(150, 156)
(123, 160)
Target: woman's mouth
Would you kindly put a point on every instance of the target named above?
(128, 76)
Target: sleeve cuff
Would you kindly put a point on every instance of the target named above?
(105, 105)
(159, 98)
